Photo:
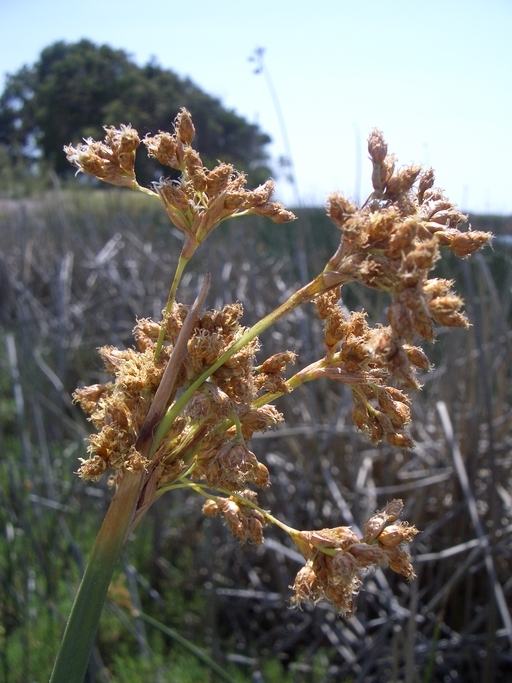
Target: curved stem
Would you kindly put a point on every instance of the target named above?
(75, 648)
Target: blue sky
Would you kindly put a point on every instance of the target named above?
(434, 76)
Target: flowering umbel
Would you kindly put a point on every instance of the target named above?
(183, 405)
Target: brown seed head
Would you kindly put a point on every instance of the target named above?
(396, 534)
(339, 209)
(466, 243)
(426, 182)
(184, 127)
(377, 146)
(163, 147)
(417, 357)
(111, 161)
(217, 179)
(403, 181)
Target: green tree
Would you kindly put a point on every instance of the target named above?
(76, 88)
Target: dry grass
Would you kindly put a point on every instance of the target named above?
(76, 269)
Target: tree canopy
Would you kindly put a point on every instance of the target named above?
(75, 89)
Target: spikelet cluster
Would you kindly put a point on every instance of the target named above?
(202, 198)
(210, 436)
(245, 522)
(199, 200)
(391, 243)
(112, 161)
(337, 560)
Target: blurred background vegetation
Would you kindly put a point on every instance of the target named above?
(78, 264)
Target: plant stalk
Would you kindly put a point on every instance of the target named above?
(75, 648)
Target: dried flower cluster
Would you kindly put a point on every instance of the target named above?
(391, 243)
(112, 161)
(337, 560)
(196, 203)
(216, 396)
(209, 438)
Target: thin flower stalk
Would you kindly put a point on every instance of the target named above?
(184, 404)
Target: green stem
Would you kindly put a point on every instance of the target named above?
(146, 190)
(183, 260)
(203, 491)
(75, 648)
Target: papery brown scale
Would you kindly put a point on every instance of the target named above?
(441, 217)
(445, 304)
(306, 585)
(423, 256)
(417, 357)
(400, 439)
(282, 216)
(355, 348)
(398, 561)
(126, 161)
(326, 304)
(92, 469)
(218, 178)
(425, 183)
(400, 320)
(436, 287)
(403, 181)
(343, 567)
(398, 412)
(278, 362)
(360, 418)
(238, 200)
(184, 127)
(451, 319)
(255, 531)
(383, 419)
(466, 243)
(193, 162)
(163, 148)
(366, 555)
(387, 169)
(403, 237)
(339, 209)
(393, 510)
(398, 395)
(374, 430)
(377, 146)
(260, 476)
(273, 384)
(422, 324)
(88, 397)
(262, 194)
(395, 534)
(444, 237)
(382, 224)
(402, 371)
(374, 526)
(199, 180)
(434, 202)
(337, 537)
(210, 508)
(341, 599)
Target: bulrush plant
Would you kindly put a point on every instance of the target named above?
(183, 405)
